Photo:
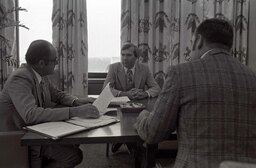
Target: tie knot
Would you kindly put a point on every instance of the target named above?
(129, 71)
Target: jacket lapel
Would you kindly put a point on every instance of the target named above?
(121, 77)
(37, 86)
(137, 75)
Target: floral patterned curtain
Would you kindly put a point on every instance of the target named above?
(70, 38)
(147, 24)
(162, 29)
(8, 50)
(194, 12)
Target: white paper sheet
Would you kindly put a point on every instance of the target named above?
(104, 99)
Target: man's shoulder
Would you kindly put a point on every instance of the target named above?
(116, 65)
(21, 72)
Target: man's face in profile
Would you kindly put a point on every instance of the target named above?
(50, 63)
(128, 58)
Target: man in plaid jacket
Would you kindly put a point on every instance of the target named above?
(210, 101)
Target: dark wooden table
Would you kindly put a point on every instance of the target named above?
(122, 132)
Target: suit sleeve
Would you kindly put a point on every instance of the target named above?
(60, 97)
(157, 125)
(20, 89)
(111, 80)
(153, 87)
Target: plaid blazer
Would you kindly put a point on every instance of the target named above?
(211, 103)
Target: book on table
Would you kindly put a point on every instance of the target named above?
(58, 129)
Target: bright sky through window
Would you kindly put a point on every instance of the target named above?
(103, 19)
(38, 20)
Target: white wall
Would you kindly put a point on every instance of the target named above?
(252, 36)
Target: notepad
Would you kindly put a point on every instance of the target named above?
(58, 129)
(119, 100)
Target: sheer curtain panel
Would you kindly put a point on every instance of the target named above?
(69, 20)
(8, 45)
(163, 29)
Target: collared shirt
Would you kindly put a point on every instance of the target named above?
(38, 77)
(133, 72)
(207, 52)
(132, 69)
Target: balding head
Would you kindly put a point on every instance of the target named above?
(39, 50)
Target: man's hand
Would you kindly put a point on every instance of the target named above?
(135, 93)
(84, 111)
(81, 101)
(141, 95)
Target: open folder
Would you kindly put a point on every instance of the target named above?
(58, 129)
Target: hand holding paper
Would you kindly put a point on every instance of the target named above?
(84, 111)
(103, 100)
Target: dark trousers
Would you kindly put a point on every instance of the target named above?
(54, 156)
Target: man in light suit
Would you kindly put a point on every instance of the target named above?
(139, 84)
(27, 97)
(210, 101)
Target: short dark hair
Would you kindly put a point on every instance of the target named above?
(39, 50)
(128, 45)
(216, 31)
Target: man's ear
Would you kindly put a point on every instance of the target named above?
(41, 63)
(200, 41)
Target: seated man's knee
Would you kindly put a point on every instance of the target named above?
(76, 157)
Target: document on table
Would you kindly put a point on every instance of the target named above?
(119, 100)
(58, 129)
(104, 99)
(93, 123)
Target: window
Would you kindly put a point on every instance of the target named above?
(38, 20)
(103, 22)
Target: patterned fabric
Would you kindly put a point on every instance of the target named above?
(70, 38)
(129, 79)
(211, 103)
(163, 29)
(8, 49)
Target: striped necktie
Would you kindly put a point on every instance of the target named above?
(130, 83)
(42, 91)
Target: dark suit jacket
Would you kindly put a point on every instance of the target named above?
(21, 103)
(142, 77)
(212, 104)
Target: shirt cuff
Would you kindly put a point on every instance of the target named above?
(118, 94)
(73, 102)
(148, 94)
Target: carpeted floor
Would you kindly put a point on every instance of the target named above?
(95, 157)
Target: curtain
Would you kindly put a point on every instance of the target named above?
(162, 29)
(146, 23)
(8, 50)
(70, 38)
(193, 12)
